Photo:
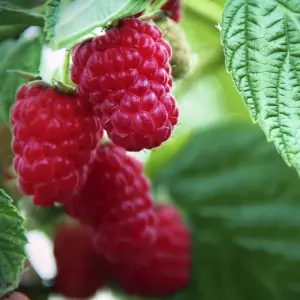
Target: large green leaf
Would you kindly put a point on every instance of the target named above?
(23, 54)
(243, 205)
(12, 243)
(262, 45)
(81, 17)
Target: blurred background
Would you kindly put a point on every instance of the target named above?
(239, 198)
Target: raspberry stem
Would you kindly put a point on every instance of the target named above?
(66, 69)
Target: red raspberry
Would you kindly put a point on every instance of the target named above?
(55, 137)
(81, 271)
(174, 8)
(116, 203)
(168, 270)
(127, 75)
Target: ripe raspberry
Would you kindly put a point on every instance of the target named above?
(80, 270)
(55, 137)
(174, 8)
(127, 75)
(116, 203)
(168, 270)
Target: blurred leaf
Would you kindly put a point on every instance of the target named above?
(243, 206)
(11, 14)
(22, 3)
(160, 157)
(12, 243)
(81, 17)
(24, 55)
(262, 44)
(11, 31)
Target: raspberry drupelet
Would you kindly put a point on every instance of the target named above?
(126, 75)
(54, 140)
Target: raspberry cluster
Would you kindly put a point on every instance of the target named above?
(81, 270)
(123, 85)
(126, 75)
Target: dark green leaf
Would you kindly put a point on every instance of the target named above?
(24, 55)
(12, 243)
(22, 3)
(12, 16)
(11, 31)
(262, 48)
(81, 17)
(243, 205)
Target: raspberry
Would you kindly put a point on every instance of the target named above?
(127, 76)
(174, 8)
(168, 270)
(55, 137)
(81, 271)
(116, 203)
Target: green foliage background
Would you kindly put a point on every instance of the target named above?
(240, 199)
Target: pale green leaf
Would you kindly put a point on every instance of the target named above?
(262, 47)
(12, 245)
(82, 17)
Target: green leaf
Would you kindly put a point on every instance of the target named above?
(81, 17)
(12, 245)
(262, 48)
(11, 31)
(21, 3)
(23, 54)
(9, 15)
(243, 205)
(51, 17)
(159, 158)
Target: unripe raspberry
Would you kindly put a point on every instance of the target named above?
(168, 269)
(80, 270)
(181, 54)
(116, 202)
(127, 76)
(55, 137)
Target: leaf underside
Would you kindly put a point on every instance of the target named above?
(262, 48)
(81, 17)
